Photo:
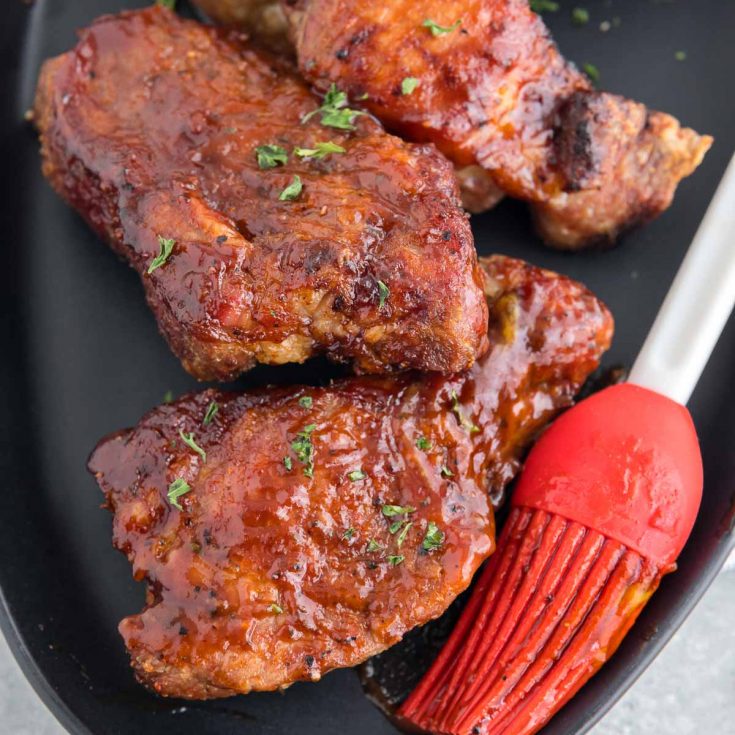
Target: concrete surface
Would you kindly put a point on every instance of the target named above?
(690, 688)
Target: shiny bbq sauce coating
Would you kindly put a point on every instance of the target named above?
(491, 90)
(149, 128)
(272, 573)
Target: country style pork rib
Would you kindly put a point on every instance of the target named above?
(259, 237)
(318, 525)
(484, 81)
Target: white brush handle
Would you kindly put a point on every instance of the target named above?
(697, 305)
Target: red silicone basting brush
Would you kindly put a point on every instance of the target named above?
(605, 503)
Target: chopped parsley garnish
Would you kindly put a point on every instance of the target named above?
(373, 545)
(292, 191)
(320, 150)
(396, 560)
(409, 85)
(397, 510)
(580, 16)
(270, 156)
(446, 472)
(437, 30)
(170, 4)
(464, 422)
(168, 396)
(383, 294)
(402, 535)
(356, 475)
(680, 55)
(304, 449)
(188, 439)
(433, 538)
(542, 6)
(306, 401)
(167, 245)
(423, 444)
(591, 71)
(287, 463)
(334, 111)
(349, 533)
(176, 489)
(395, 526)
(275, 608)
(212, 410)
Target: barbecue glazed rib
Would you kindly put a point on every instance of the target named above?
(284, 561)
(495, 91)
(496, 96)
(149, 128)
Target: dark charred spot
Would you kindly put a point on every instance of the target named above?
(309, 660)
(183, 630)
(446, 235)
(221, 239)
(342, 54)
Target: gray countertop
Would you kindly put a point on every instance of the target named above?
(689, 688)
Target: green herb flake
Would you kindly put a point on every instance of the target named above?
(349, 533)
(395, 527)
(446, 472)
(423, 444)
(188, 439)
(176, 489)
(373, 545)
(544, 6)
(275, 608)
(591, 71)
(437, 30)
(287, 463)
(409, 84)
(356, 475)
(270, 156)
(212, 410)
(306, 401)
(383, 294)
(292, 191)
(168, 396)
(389, 511)
(320, 150)
(433, 539)
(396, 560)
(402, 535)
(304, 449)
(680, 55)
(167, 245)
(334, 111)
(464, 422)
(170, 4)
(580, 16)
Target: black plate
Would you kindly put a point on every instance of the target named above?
(83, 357)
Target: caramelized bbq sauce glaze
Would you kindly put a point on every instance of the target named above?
(495, 91)
(258, 582)
(149, 128)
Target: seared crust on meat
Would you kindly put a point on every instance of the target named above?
(263, 20)
(271, 573)
(149, 128)
(495, 91)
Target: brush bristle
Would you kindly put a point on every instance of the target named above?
(549, 609)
